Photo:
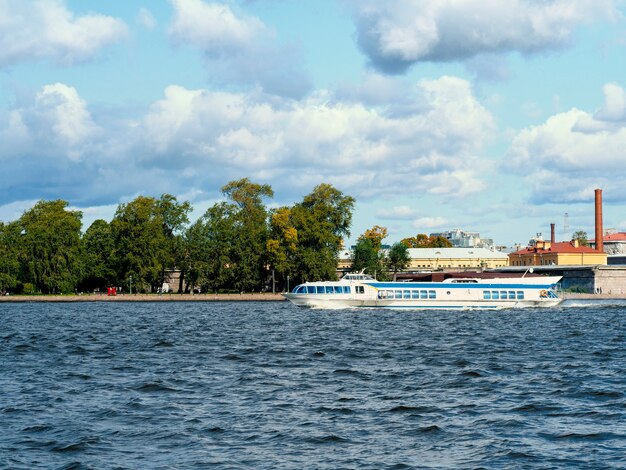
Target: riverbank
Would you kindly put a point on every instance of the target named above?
(251, 297)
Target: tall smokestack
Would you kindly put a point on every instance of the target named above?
(599, 228)
(552, 235)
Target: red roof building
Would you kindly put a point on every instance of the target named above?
(545, 253)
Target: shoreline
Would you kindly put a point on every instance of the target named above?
(245, 297)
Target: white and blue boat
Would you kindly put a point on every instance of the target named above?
(361, 290)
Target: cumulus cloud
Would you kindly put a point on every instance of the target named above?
(239, 48)
(397, 213)
(574, 152)
(320, 139)
(46, 29)
(146, 19)
(56, 124)
(395, 35)
(197, 140)
(429, 222)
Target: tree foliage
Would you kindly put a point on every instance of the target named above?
(398, 258)
(582, 237)
(321, 220)
(145, 233)
(9, 256)
(422, 240)
(50, 247)
(233, 246)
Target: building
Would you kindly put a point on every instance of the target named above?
(548, 253)
(462, 239)
(437, 259)
(429, 259)
(614, 243)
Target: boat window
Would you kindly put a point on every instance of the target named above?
(520, 295)
(359, 289)
(486, 295)
(329, 289)
(310, 289)
(415, 294)
(320, 289)
(346, 289)
(406, 294)
(423, 294)
(503, 294)
(512, 294)
(299, 290)
(398, 294)
(338, 289)
(432, 294)
(495, 295)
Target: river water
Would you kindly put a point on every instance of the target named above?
(270, 385)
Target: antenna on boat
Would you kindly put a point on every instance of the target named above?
(527, 271)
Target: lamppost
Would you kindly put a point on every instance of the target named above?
(130, 284)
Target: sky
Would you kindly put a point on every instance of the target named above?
(493, 116)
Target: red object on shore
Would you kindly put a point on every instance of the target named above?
(111, 291)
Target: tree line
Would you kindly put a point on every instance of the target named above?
(236, 245)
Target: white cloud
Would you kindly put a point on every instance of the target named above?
(614, 108)
(397, 213)
(46, 29)
(197, 140)
(146, 19)
(574, 152)
(320, 139)
(429, 222)
(238, 48)
(213, 27)
(395, 35)
(57, 124)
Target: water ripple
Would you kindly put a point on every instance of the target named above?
(268, 385)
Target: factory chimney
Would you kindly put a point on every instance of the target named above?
(552, 235)
(599, 228)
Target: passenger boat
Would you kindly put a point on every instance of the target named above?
(361, 290)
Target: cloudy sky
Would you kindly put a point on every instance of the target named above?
(487, 115)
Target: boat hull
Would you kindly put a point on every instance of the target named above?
(335, 303)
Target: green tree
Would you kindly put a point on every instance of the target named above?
(368, 258)
(398, 258)
(51, 247)
(146, 238)
(582, 237)
(98, 256)
(321, 220)
(282, 244)
(228, 244)
(9, 256)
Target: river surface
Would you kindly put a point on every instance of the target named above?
(270, 385)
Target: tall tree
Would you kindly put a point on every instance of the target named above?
(229, 242)
(377, 234)
(368, 258)
(98, 256)
(398, 258)
(322, 219)
(145, 232)
(282, 244)
(9, 256)
(51, 246)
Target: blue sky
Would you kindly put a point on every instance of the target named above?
(489, 116)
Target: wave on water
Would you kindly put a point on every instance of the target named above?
(270, 385)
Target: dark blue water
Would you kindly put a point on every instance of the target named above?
(269, 385)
